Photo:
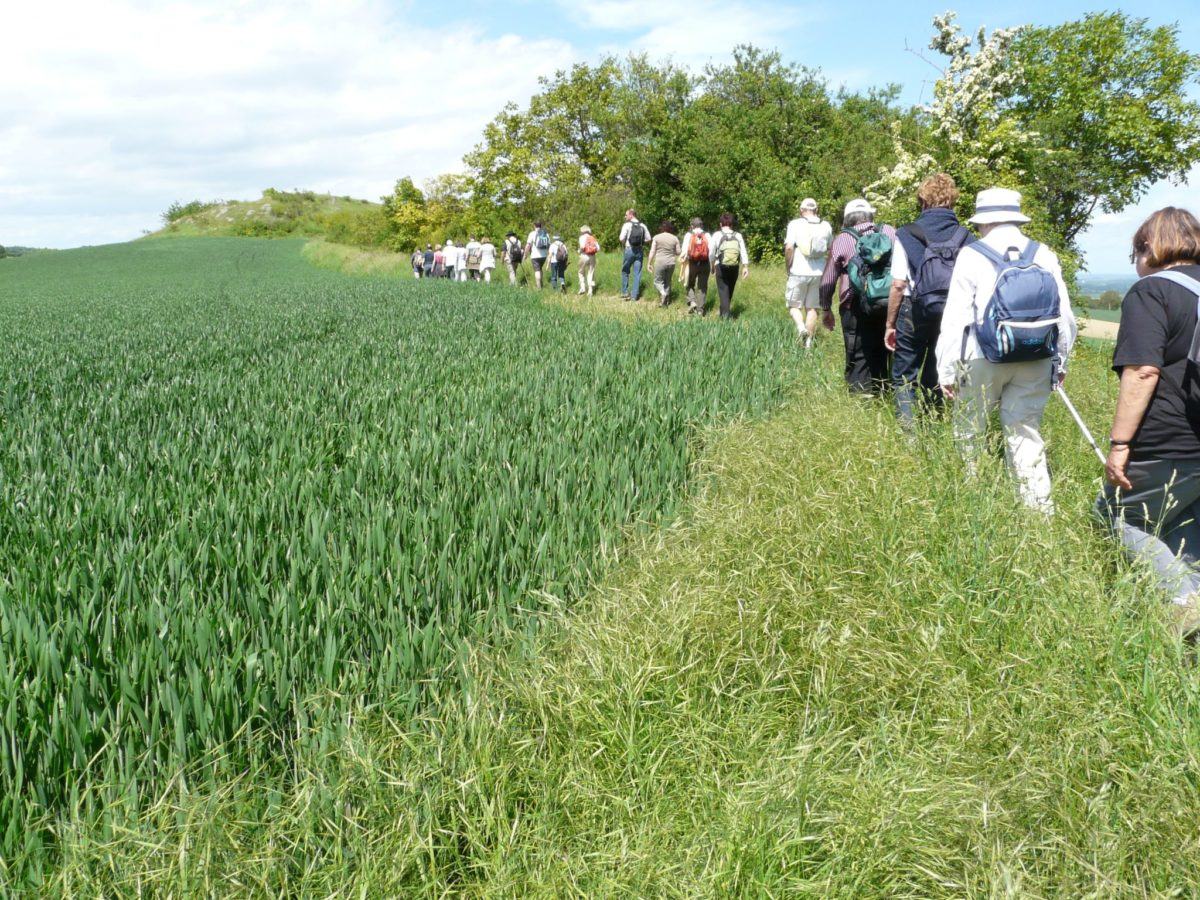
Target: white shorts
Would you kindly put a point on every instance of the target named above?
(803, 292)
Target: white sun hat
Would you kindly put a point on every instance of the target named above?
(997, 205)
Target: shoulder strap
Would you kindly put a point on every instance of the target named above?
(995, 257)
(1184, 281)
(1030, 252)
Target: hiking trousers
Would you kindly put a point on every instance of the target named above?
(727, 277)
(866, 353)
(915, 362)
(631, 262)
(587, 273)
(1159, 520)
(1020, 391)
(697, 284)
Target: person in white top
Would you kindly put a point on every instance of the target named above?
(449, 259)
(806, 248)
(512, 256)
(634, 238)
(727, 251)
(487, 258)
(697, 246)
(1019, 389)
(558, 269)
(537, 250)
(474, 256)
(588, 248)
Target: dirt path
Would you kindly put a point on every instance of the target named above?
(1106, 331)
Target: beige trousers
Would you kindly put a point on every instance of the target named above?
(1019, 391)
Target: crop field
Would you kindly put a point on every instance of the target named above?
(232, 485)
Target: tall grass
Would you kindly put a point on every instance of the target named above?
(235, 487)
(847, 670)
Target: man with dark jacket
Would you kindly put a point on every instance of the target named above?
(922, 262)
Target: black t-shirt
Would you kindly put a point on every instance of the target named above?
(1158, 319)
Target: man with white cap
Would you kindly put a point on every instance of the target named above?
(805, 248)
(984, 363)
(866, 355)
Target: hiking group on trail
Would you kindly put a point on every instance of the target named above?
(931, 313)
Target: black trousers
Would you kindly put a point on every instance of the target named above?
(727, 277)
(866, 354)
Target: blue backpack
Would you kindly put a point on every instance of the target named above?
(930, 281)
(1020, 320)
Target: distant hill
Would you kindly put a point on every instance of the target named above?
(1095, 285)
(20, 251)
(275, 214)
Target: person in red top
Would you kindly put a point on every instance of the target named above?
(866, 354)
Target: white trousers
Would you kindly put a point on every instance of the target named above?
(1020, 392)
(587, 273)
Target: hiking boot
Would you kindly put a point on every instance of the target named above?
(1185, 617)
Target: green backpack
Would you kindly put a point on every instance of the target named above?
(870, 271)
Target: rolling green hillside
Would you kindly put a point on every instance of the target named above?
(274, 214)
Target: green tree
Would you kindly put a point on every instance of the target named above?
(1107, 96)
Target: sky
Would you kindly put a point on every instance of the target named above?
(113, 110)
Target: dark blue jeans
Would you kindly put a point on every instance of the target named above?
(632, 260)
(915, 362)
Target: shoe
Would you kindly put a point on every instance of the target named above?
(1185, 617)
(580, 294)
(626, 297)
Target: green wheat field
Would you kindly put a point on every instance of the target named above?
(318, 584)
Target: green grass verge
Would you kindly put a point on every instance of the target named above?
(847, 671)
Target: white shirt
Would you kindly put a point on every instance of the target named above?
(900, 267)
(971, 287)
(798, 231)
(531, 243)
(628, 227)
(471, 245)
(696, 233)
(553, 251)
(487, 256)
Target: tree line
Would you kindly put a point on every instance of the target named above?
(1080, 117)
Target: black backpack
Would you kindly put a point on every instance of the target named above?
(931, 273)
(515, 252)
(637, 235)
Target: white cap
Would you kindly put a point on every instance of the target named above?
(998, 205)
(808, 203)
(858, 206)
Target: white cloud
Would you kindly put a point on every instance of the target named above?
(128, 105)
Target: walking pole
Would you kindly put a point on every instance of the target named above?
(1079, 421)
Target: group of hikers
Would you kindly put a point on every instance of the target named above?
(722, 255)
(932, 312)
(986, 322)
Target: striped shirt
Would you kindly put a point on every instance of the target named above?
(840, 254)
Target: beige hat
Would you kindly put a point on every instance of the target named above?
(808, 203)
(583, 229)
(858, 206)
(998, 205)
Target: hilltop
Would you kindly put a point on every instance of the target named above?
(275, 214)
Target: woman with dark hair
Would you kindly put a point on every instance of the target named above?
(1152, 500)
(728, 251)
(664, 252)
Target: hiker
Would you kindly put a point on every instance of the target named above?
(428, 269)
(1152, 500)
(487, 258)
(805, 249)
(859, 269)
(512, 256)
(922, 262)
(728, 250)
(1005, 340)
(537, 250)
(449, 259)
(460, 267)
(634, 237)
(439, 262)
(697, 245)
(665, 250)
(474, 254)
(588, 248)
(417, 261)
(557, 255)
